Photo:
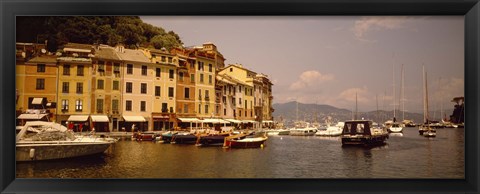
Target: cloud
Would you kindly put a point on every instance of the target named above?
(351, 95)
(310, 79)
(368, 24)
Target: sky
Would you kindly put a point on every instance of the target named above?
(329, 59)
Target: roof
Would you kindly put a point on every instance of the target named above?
(106, 52)
(43, 59)
(133, 56)
(78, 46)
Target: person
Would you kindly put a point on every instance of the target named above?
(93, 131)
(80, 127)
(70, 125)
(133, 127)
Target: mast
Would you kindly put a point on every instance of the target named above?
(376, 98)
(425, 96)
(393, 67)
(356, 107)
(403, 93)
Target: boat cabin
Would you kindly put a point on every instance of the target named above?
(357, 127)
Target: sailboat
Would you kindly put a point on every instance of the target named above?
(302, 128)
(395, 127)
(426, 130)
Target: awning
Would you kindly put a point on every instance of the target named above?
(233, 121)
(37, 100)
(99, 118)
(78, 118)
(267, 121)
(31, 116)
(248, 121)
(188, 120)
(214, 121)
(134, 118)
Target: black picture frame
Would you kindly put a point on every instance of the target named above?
(9, 9)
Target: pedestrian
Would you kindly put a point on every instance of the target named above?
(133, 127)
(80, 127)
(70, 125)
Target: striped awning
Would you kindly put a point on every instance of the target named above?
(214, 121)
(31, 116)
(188, 120)
(99, 118)
(78, 118)
(134, 118)
(233, 121)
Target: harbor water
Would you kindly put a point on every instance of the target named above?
(406, 155)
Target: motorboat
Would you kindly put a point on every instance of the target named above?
(242, 141)
(41, 140)
(211, 139)
(184, 138)
(331, 130)
(145, 136)
(360, 132)
(395, 128)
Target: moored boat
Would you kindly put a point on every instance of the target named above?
(40, 140)
(359, 132)
(211, 139)
(242, 141)
(184, 138)
(145, 136)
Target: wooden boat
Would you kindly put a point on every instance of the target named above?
(167, 136)
(40, 140)
(145, 136)
(211, 139)
(359, 132)
(242, 141)
(184, 138)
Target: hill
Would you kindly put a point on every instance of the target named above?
(130, 31)
(318, 112)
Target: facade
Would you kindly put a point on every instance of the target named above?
(74, 85)
(36, 80)
(107, 89)
(137, 94)
(117, 89)
(165, 89)
(185, 89)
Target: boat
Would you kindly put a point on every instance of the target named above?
(166, 137)
(303, 131)
(211, 139)
(395, 127)
(184, 138)
(409, 123)
(41, 140)
(426, 128)
(145, 136)
(332, 130)
(359, 132)
(284, 132)
(242, 141)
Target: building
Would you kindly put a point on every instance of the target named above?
(107, 89)
(137, 93)
(165, 88)
(74, 85)
(185, 89)
(36, 82)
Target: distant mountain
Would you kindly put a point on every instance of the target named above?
(318, 112)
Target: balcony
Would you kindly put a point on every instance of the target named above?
(207, 98)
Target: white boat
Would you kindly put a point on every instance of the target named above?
(40, 140)
(303, 129)
(331, 130)
(395, 128)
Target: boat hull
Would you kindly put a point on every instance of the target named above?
(246, 143)
(215, 140)
(57, 150)
(184, 139)
(364, 140)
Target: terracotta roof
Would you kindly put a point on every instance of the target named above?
(43, 59)
(133, 55)
(106, 52)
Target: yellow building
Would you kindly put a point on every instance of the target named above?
(204, 84)
(185, 89)
(244, 90)
(36, 80)
(165, 88)
(75, 85)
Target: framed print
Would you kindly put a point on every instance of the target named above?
(239, 97)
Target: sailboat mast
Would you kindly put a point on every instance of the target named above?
(356, 107)
(393, 67)
(403, 93)
(376, 98)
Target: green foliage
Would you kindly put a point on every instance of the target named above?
(111, 30)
